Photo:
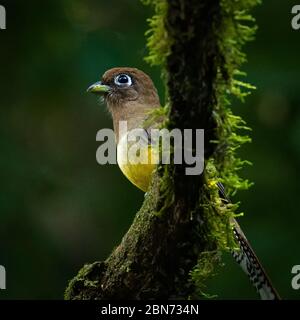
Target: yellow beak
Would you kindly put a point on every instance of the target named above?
(98, 87)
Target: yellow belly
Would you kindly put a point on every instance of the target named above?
(138, 173)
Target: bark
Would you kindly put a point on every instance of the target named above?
(168, 234)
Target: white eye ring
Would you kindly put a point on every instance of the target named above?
(123, 80)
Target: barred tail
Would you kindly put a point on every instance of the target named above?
(250, 264)
(248, 260)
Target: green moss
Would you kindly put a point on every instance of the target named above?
(224, 165)
(204, 270)
(158, 42)
(84, 279)
(237, 28)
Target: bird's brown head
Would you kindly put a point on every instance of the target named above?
(123, 86)
(129, 94)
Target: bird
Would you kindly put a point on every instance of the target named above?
(130, 95)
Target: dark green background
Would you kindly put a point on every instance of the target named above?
(59, 208)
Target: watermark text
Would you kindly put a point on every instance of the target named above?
(2, 18)
(296, 278)
(2, 278)
(152, 146)
(296, 18)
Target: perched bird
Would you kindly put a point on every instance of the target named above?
(130, 95)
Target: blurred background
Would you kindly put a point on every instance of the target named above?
(59, 209)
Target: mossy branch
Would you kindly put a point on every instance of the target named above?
(174, 242)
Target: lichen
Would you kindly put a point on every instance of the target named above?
(237, 27)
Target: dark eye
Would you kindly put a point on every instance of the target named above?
(123, 80)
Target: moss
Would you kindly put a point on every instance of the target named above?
(205, 269)
(86, 281)
(158, 41)
(237, 28)
(234, 28)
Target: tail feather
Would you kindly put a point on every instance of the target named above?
(248, 260)
(250, 264)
